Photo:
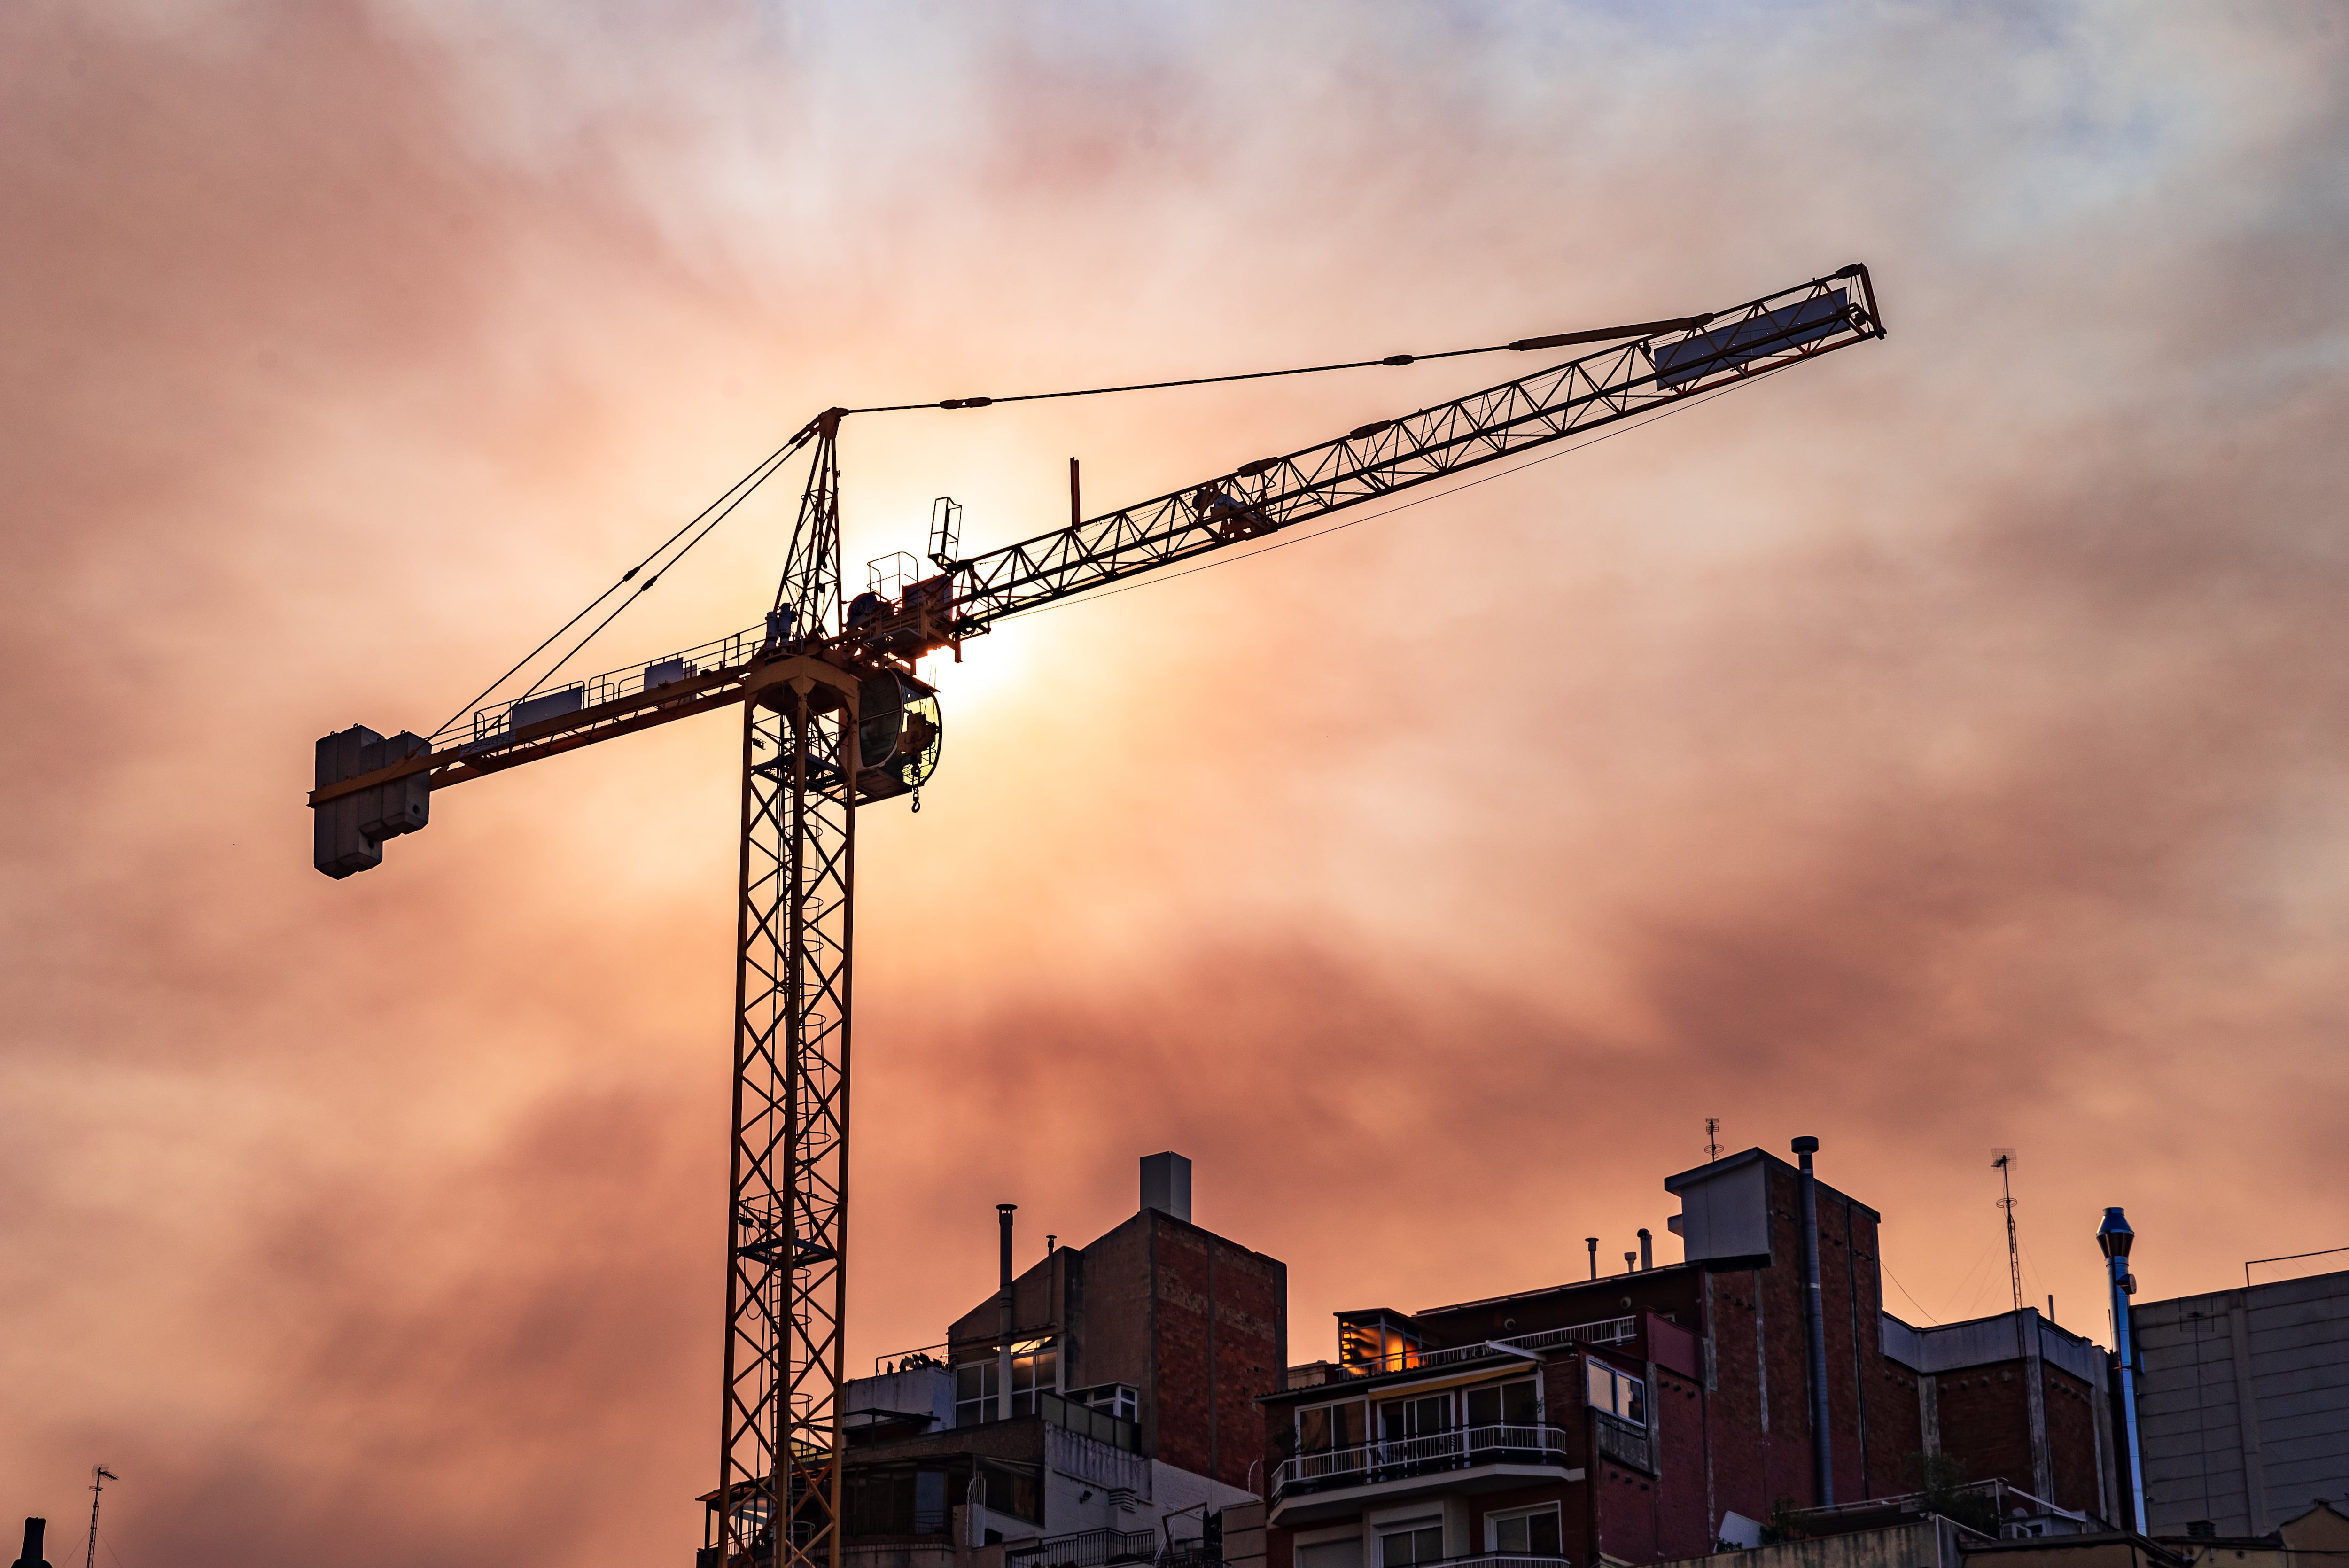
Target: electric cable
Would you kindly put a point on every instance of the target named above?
(1909, 1294)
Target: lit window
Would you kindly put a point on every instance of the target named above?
(1414, 1544)
(1376, 1340)
(1618, 1393)
(1534, 1534)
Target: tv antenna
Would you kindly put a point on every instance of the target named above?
(98, 1476)
(2003, 1161)
(1712, 1138)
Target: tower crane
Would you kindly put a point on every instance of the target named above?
(834, 717)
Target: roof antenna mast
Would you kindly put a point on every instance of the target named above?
(1712, 1138)
(98, 1476)
(2003, 1161)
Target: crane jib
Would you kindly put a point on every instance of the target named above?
(1376, 459)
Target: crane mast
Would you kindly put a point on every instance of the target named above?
(833, 716)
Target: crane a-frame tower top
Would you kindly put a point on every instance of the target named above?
(835, 716)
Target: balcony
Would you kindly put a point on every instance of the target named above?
(1463, 1459)
(1606, 1331)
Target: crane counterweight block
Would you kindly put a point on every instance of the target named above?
(347, 832)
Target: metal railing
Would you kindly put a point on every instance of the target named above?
(1605, 1331)
(1396, 1458)
(489, 724)
(1500, 1560)
(1085, 1549)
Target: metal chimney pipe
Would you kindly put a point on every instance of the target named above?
(1814, 1317)
(2114, 1239)
(34, 1529)
(1003, 1342)
(1647, 1250)
(1592, 1242)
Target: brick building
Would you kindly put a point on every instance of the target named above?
(1137, 1362)
(1657, 1413)
(1160, 1322)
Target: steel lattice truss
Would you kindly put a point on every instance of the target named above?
(787, 1271)
(1378, 459)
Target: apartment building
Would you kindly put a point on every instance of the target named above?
(1665, 1411)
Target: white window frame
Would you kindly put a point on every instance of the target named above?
(1493, 1522)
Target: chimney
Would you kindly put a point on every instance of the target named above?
(1592, 1242)
(1003, 1341)
(1166, 1184)
(1815, 1319)
(1647, 1250)
(34, 1529)
(2114, 1239)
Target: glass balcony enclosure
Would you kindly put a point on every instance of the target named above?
(1035, 1367)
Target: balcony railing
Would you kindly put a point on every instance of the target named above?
(1606, 1331)
(1397, 1457)
(1086, 1549)
(1500, 1560)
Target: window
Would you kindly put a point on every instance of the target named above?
(1035, 1365)
(1117, 1399)
(1619, 1394)
(1420, 1418)
(1532, 1533)
(1375, 1338)
(1504, 1405)
(1418, 1542)
(1326, 1427)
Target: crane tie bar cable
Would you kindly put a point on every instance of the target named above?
(1522, 346)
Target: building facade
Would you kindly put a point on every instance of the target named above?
(2244, 1405)
(1663, 1412)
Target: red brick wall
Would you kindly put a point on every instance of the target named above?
(2072, 1442)
(1896, 1428)
(1986, 1421)
(1683, 1527)
(1219, 1341)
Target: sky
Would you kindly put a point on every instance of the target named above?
(1936, 748)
